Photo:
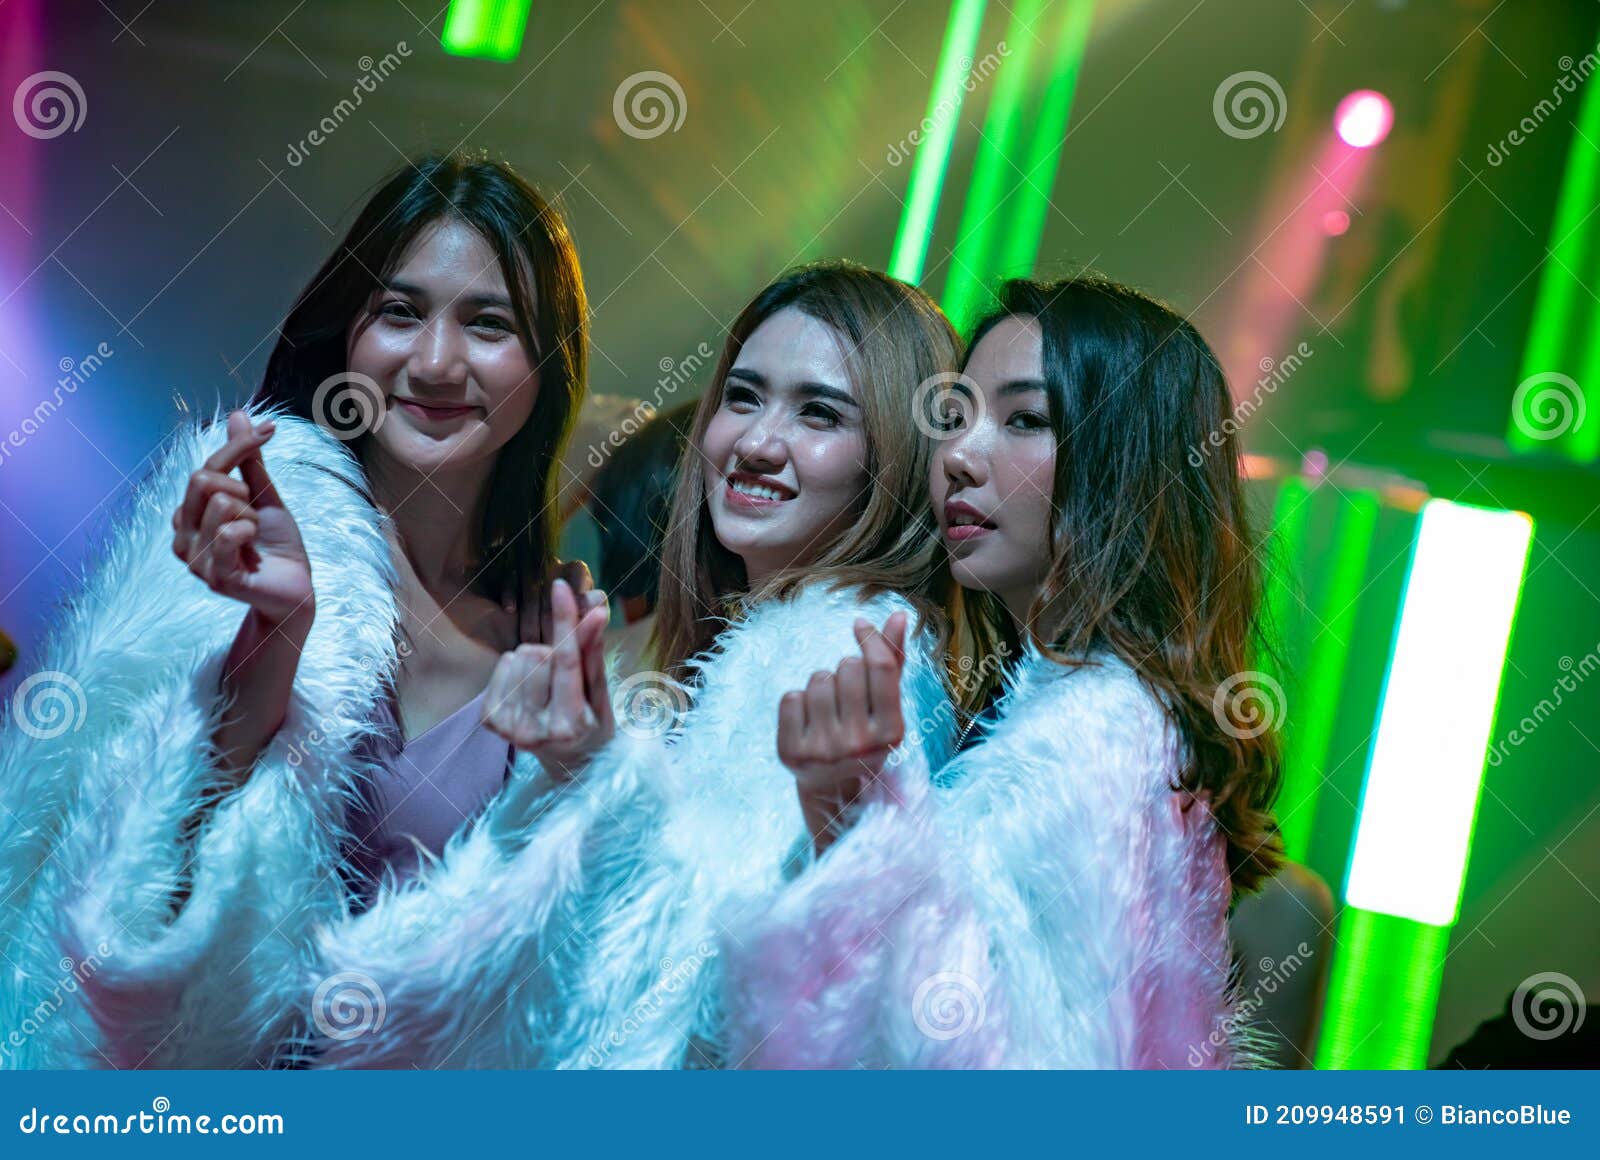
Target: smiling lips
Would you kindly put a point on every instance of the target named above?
(748, 491)
(434, 411)
(964, 522)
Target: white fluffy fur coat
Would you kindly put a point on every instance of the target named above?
(94, 971)
(582, 926)
(1054, 907)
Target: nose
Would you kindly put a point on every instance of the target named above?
(439, 357)
(760, 447)
(963, 458)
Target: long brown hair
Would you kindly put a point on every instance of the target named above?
(895, 340)
(1153, 557)
(516, 543)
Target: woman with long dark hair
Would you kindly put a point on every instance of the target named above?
(384, 512)
(576, 927)
(1058, 898)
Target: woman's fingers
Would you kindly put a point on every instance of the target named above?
(792, 747)
(516, 702)
(254, 470)
(854, 709)
(242, 440)
(592, 648)
(571, 713)
(203, 484)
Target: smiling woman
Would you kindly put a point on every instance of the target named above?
(802, 507)
(265, 744)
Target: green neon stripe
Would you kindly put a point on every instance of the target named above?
(488, 29)
(1311, 729)
(1565, 334)
(993, 173)
(1291, 513)
(1382, 993)
(932, 158)
(1019, 243)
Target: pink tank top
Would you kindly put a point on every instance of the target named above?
(422, 791)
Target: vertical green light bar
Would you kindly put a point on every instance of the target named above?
(1311, 728)
(489, 29)
(1564, 337)
(1290, 514)
(972, 259)
(1019, 243)
(1420, 799)
(933, 151)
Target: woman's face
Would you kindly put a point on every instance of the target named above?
(440, 341)
(786, 451)
(992, 478)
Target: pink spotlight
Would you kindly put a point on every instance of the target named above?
(1364, 118)
(1335, 222)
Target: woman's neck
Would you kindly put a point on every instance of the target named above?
(438, 516)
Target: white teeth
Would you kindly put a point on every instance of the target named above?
(757, 490)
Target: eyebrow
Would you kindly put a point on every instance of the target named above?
(805, 389)
(1020, 387)
(416, 291)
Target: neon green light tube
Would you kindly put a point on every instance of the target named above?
(489, 29)
(932, 158)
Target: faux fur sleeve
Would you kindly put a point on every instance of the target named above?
(1056, 907)
(95, 799)
(580, 927)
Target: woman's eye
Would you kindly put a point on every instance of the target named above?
(738, 397)
(1028, 421)
(823, 415)
(397, 309)
(492, 322)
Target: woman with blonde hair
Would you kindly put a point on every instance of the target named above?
(580, 924)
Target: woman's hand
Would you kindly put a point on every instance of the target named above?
(538, 618)
(236, 535)
(836, 735)
(552, 699)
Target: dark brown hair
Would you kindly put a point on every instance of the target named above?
(1153, 559)
(894, 340)
(517, 539)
